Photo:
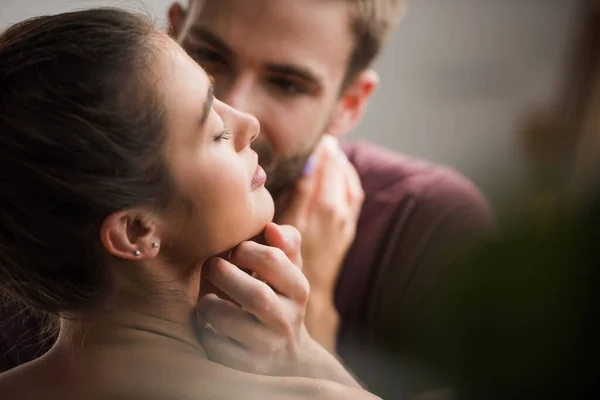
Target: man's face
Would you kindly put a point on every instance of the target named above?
(281, 60)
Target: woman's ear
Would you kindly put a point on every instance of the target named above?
(353, 104)
(176, 16)
(131, 235)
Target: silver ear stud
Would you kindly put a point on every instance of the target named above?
(155, 245)
(137, 253)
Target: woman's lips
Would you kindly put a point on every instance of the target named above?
(259, 178)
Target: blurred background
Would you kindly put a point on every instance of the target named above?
(459, 78)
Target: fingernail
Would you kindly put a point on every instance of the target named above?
(288, 239)
(211, 262)
(330, 142)
(309, 167)
(332, 146)
(342, 156)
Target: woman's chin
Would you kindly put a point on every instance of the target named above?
(265, 207)
(264, 211)
(253, 226)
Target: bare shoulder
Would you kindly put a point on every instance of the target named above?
(272, 388)
(160, 378)
(333, 390)
(8, 385)
(24, 383)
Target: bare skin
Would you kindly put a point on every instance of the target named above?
(145, 345)
(116, 369)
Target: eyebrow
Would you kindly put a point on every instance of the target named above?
(296, 71)
(284, 69)
(208, 103)
(211, 39)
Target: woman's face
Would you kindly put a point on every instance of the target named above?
(220, 197)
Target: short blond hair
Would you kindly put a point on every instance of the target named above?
(372, 22)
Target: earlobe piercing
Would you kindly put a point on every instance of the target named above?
(137, 253)
(155, 245)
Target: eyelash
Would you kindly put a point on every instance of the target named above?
(224, 135)
(288, 87)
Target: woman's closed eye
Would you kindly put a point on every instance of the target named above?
(223, 135)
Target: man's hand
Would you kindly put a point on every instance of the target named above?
(324, 207)
(262, 329)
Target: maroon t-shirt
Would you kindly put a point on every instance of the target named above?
(416, 220)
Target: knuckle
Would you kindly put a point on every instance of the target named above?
(360, 195)
(289, 328)
(262, 298)
(329, 209)
(275, 255)
(303, 291)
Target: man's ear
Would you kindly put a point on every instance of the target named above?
(176, 16)
(131, 235)
(353, 104)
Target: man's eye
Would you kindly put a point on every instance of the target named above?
(205, 56)
(287, 86)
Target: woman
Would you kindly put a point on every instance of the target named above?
(121, 182)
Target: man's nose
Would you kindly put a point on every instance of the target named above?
(236, 93)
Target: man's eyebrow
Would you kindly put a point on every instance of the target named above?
(284, 69)
(299, 72)
(208, 103)
(212, 40)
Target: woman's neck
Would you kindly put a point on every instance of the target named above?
(163, 319)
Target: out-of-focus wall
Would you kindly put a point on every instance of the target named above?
(456, 77)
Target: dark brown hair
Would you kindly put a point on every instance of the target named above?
(81, 130)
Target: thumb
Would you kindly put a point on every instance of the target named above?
(288, 239)
(300, 198)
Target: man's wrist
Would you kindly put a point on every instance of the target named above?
(322, 320)
(321, 306)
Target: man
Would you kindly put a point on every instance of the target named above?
(379, 232)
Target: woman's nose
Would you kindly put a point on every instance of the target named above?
(244, 127)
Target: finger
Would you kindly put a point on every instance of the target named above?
(251, 294)
(230, 320)
(288, 239)
(298, 200)
(355, 192)
(274, 267)
(301, 197)
(331, 187)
